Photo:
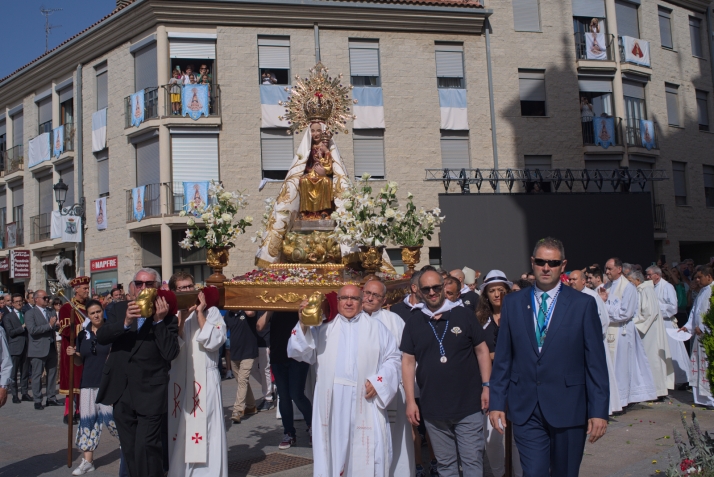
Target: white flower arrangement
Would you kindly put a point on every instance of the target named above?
(414, 226)
(220, 227)
(260, 233)
(363, 220)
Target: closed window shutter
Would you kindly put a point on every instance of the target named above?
(276, 149)
(538, 162)
(708, 178)
(595, 85)
(679, 173)
(3, 201)
(103, 171)
(589, 8)
(46, 194)
(455, 150)
(147, 162)
(369, 153)
(605, 165)
(194, 157)
(633, 89)
(44, 110)
(66, 94)
(525, 15)
(639, 163)
(18, 131)
(627, 23)
(531, 86)
(672, 104)
(102, 90)
(18, 196)
(449, 64)
(695, 35)
(702, 108)
(145, 75)
(364, 61)
(3, 129)
(204, 50)
(665, 27)
(274, 52)
(67, 176)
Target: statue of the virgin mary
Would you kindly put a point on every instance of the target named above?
(320, 105)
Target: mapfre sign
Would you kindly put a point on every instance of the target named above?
(103, 264)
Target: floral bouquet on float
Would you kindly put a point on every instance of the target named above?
(414, 226)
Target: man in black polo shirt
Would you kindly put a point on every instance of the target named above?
(411, 302)
(449, 347)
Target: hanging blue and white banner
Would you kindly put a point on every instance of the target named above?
(194, 101)
(99, 130)
(137, 108)
(137, 200)
(454, 114)
(647, 134)
(58, 141)
(196, 192)
(270, 97)
(39, 149)
(604, 131)
(369, 108)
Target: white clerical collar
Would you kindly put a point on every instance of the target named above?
(354, 319)
(465, 289)
(551, 293)
(409, 304)
(446, 306)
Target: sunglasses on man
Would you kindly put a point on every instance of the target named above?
(148, 284)
(427, 290)
(551, 263)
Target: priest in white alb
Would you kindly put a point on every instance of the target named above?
(667, 297)
(701, 388)
(358, 368)
(650, 325)
(374, 294)
(197, 434)
(578, 282)
(632, 370)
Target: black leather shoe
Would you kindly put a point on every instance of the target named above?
(27, 398)
(52, 402)
(39, 406)
(16, 400)
(76, 419)
(65, 420)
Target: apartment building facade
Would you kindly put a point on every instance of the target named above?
(424, 66)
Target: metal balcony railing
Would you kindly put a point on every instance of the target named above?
(151, 203)
(621, 47)
(177, 200)
(44, 127)
(40, 226)
(151, 106)
(14, 159)
(595, 52)
(660, 222)
(173, 108)
(591, 137)
(633, 134)
(68, 137)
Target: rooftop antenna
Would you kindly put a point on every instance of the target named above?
(48, 28)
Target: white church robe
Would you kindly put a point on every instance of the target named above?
(700, 384)
(197, 434)
(650, 325)
(350, 435)
(667, 296)
(632, 370)
(615, 405)
(403, 462)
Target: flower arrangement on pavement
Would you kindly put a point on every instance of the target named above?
(697, 458)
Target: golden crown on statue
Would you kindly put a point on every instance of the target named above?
(318, 98)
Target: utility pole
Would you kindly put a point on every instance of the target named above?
(47, 12)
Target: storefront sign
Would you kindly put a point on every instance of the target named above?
(4, 264)
(103, 264)
(20, 263)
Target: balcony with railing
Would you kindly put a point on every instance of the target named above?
(151, 106)
(637, 55)
(67, 137)
(40, 226)
(45, 127)
(173, 100)
(151, 203)
(633, 135)
(177, 199)
(660, 222)
(602, 131)
(595, 52)
(14, 159)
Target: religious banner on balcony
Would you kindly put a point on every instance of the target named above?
(39, 150)
(71, 228)
(452, 103)
(369, 107)
(636, 51)
(604, 131)
(137, 202)
(11, 235)
(271, 95)
(57, 141)
(647, 134)
(137, 108)
(101, 211)
(56, 225)
(196, 192)
(99, 130)
(194, 100)
(595, 46)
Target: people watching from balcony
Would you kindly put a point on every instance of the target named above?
(204, 72)
(175, 92)
(268, 78)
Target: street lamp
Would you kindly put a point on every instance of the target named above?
(61, 195)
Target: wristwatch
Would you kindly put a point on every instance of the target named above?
(486, 384)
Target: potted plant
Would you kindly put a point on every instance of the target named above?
(411, 228)
(218, 228)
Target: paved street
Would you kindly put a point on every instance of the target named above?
(33, 443)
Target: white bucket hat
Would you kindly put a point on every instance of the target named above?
(495, 276)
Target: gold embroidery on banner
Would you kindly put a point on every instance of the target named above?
(286, 297)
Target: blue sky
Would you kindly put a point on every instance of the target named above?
(24, 26)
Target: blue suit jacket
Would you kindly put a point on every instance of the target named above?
(568, 378)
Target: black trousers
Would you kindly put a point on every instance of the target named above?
(140, 439)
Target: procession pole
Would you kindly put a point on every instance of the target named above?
(70, 395)
(509, 449)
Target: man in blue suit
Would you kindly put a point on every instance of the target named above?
(549, 371)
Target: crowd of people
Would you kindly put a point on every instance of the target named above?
(448, 367)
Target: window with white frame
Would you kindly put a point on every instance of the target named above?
(194, 158)
(679, 176)
(364, 62)
(369, 152)
(526, 15)
(102, 86)
(695, 35)
(102, 172)
(671, 92)
(628, 23)
(455, 150)
(665, 27)
(276, 147)
(274, 59)
(450, 65)
(531, 85)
